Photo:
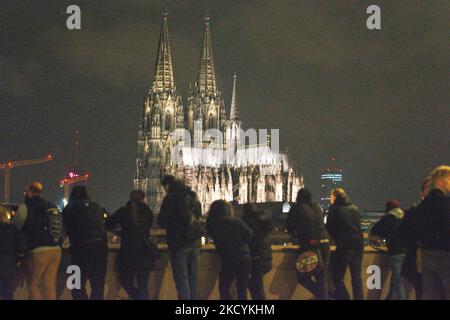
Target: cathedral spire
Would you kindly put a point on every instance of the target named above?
(163, 68)
(206, 74)
(234, 108)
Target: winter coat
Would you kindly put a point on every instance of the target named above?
(388, 228)
(84, 222)
(231, 237)
(344, 225)
(175, 215)
(134, 242)
(429, 222)
(12, 249)
(306, 223)
(260, 246)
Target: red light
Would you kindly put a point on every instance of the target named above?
(49, 157)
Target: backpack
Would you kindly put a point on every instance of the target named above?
(195, 227)
(46, 227)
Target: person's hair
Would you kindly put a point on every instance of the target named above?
(36, 188)
(4, 214)
(137, 195)
(440, 172)
(168, 180)
(426, 184)
(78, 193)
(340, 195)
(304, 196)
(220, 209)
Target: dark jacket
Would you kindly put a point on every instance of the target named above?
(175, 215)
(84, 222)
(429, 222)
(388, 228)
(231, 237)
(260, 243)
(306, 223)
(35, 237)
(12, 249)
(344, 225)
(134, 238)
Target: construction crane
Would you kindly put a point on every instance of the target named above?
(75, 174)
(72, 178)
(6, 167)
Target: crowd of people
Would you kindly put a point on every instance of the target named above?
(417, 241)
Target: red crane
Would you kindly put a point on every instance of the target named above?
(75, 174)
(6, 167)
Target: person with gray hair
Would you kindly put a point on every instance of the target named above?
(430, 225)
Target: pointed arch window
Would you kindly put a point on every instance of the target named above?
(168, 125)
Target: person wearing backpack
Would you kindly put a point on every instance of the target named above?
(135, 256)
(12, 251)
(180, 215)
(260, 250)
(41, 223)
(85, 226)
(388, 228)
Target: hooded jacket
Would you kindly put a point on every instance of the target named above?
(388, 228)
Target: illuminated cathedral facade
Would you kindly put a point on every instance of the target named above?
(201, 143)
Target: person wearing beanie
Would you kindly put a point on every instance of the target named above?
(388, 228)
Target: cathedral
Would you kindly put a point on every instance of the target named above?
(201, 143)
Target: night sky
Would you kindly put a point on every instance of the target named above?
(376, 100)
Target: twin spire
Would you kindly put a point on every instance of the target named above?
(163, 69)
(206, 80)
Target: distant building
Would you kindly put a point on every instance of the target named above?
(256, 174)
(330, 178)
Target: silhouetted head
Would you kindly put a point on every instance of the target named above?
(220, 209)
(167, 181)
(34, 189)
(79, 193)
(338, 195)
(137, 195)
(304, 196)
(392, 204)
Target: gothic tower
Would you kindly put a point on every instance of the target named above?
(162, 114)
(205, 105)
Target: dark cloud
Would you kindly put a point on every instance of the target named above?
(377, 100)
